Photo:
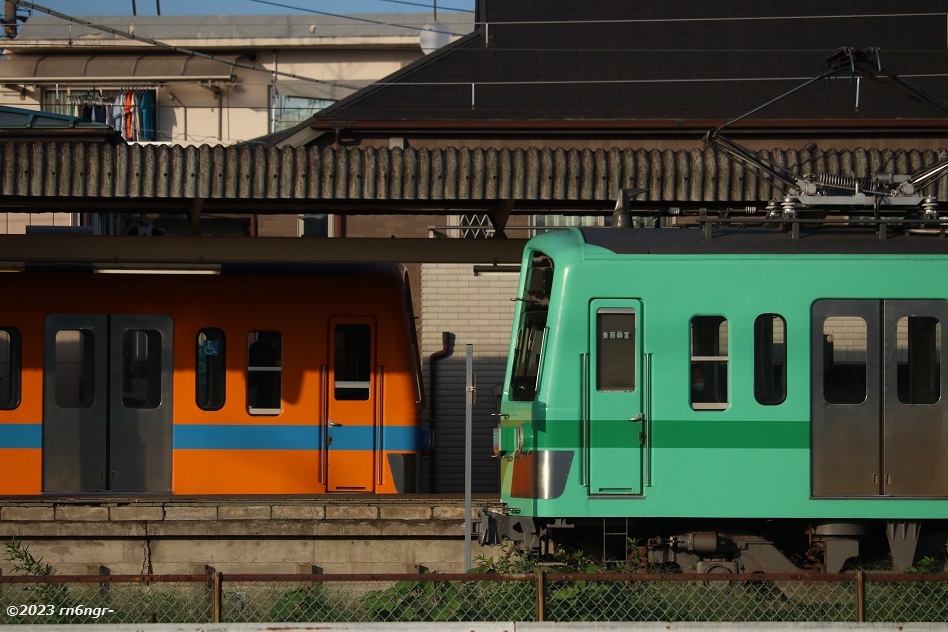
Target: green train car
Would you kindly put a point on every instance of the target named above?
(748, 402)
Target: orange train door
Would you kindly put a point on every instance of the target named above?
(352, 433)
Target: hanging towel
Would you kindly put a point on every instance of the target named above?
(118, 113)
(148, 115)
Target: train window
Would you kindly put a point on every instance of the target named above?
(141, 369)
(210, 374)
(10, 368)
(264, 373)
(352, 368)
(531, 331)
(75, 368)
(845, 348)
(615, 353)
(919, 360)
(770, 369)
(709, 358)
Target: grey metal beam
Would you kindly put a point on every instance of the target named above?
(182, 250)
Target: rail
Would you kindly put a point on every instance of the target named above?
(542, 596)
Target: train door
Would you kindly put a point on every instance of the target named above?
(616, 419)
(107, 419)
(353, 433)
(880, 413)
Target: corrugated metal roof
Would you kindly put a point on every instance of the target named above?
(392, 180)
(241, 27)
(19, 118)
(37, 69)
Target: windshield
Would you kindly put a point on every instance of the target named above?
(531, 330)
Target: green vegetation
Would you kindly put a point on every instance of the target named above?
(53, 598)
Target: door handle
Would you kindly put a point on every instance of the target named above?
(638, 418)
(333, 424)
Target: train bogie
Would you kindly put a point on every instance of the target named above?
(205, 385)
(693, 387)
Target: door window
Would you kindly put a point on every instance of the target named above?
(918, 367)
(352, 365)
(845, 346)
(75, 368)
(615, 355)
(141, 368)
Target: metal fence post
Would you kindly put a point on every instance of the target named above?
(469, 389)
(541, 595)
(217, 593)
(860, 596)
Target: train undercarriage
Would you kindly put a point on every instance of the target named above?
(730, 546)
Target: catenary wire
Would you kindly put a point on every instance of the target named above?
(571, 82)
(413, 4)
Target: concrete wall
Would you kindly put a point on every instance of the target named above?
(365, 535)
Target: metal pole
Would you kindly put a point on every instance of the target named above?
(468, 424)
(860, 596)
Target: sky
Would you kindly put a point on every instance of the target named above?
(248, 7)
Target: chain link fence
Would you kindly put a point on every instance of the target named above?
(858, 597)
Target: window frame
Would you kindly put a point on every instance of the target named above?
(532, 329)
(713, 360)
(764, 349)
(14, 362)
(256, 370)
(212, 400)
(625, 358)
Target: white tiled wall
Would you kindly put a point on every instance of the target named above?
(476, 310)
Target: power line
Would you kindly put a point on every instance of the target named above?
(413, 4)
(568, 82)
(731, 18)
(179, 49)
(354, 18)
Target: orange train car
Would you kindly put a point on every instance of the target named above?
(237, 383)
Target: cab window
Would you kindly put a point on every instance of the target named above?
(531, 328)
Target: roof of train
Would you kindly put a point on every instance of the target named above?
(674, 241)
(390, 270)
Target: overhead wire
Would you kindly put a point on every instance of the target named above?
(178, 49)
(413, 4)
(481, 82)
(356, 18)
(701, 20)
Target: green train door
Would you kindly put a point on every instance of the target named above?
(616, 420)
